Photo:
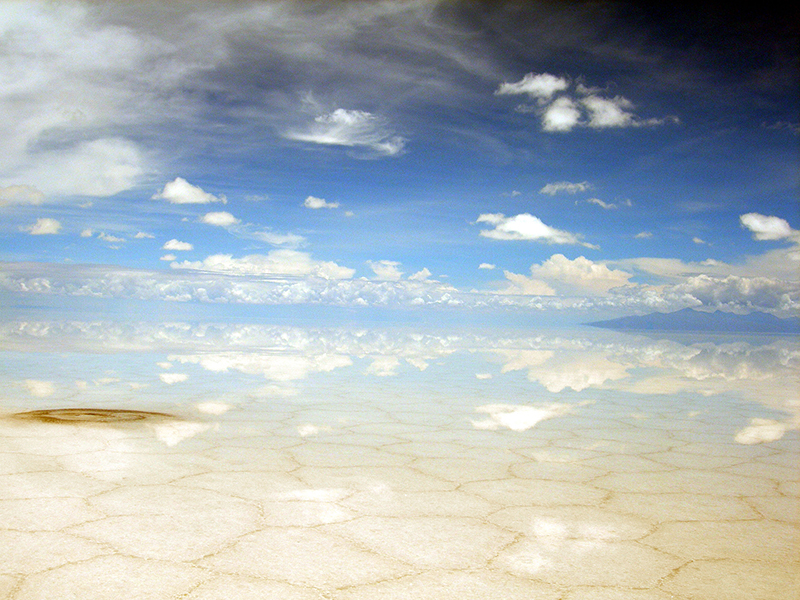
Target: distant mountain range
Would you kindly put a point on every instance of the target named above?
(694, 320)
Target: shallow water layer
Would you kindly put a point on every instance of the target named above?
(207, 461)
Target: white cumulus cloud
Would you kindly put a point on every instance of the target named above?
(562, 115)
(422, 275)
(172, 378)
(273, 366)
(518, 417)
(766, 227)
(580, 274)
(563, 277)
(520, 285)
(560, 370)
(540, 86)
(314, 202)
(213, 408)
(276, 262)
(739, 294)
(180, 191)
(20, 194)
(761, 431)
(174, 433)
(112, 239)
(384, 366)
(40, 389)
(44, 226)
(562, 107)
(177, 245)
(609, 112)
(220, 219)
(559, 275)
(386, 270)
(525, 227)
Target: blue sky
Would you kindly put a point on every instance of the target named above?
(571, 159)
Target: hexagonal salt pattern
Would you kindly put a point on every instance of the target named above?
(304, 472)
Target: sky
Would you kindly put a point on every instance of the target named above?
(562, 160)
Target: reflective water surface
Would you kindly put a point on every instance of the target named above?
(211, 461)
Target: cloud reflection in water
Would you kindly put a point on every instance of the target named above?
(563, 368)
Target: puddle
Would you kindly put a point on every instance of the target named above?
(167, 428)
(89, 416)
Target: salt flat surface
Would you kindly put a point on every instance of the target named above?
(251, 461)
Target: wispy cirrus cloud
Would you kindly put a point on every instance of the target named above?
(250, 231)
(288, 240)
(601, 203)
(235, 227)
(565, 187)
(351, 128)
